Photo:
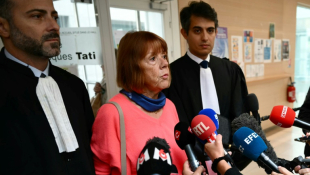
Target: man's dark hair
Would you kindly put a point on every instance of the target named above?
(6, 9)
(198, 9)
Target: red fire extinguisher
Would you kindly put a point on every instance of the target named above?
(291, 92)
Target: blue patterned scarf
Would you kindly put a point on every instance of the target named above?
(146, 102)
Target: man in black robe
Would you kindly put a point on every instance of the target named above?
(201, 80)
(31, 140)
(304, 114)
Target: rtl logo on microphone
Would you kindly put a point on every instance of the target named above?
(212, 138)
(284, 110)
(200, 128)
(177, 135)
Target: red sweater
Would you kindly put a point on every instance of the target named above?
(140, 127)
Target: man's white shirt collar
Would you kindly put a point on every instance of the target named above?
(196, 59)
(35, 71)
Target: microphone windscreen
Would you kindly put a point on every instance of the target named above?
(203, 127)
(249, 143)
(155, 158)
(248, 121)
(182, 136)
(282, 116)
(212, 115)
(252, 102)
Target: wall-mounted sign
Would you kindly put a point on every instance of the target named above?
(81, 46)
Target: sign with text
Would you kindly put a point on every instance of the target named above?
(81, 46)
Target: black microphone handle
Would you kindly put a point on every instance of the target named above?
(192, 159)
(265, 117)
(305, 160)
(256, 116)
(269, 163)
(301, 124)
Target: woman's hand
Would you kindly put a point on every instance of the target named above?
(187, 170)
(305, 171)
(215, 150)
(283, 170)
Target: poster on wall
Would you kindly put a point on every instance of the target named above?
(255, 70)
(271, 31)
(261, 70)
(80, 46)
(259, 50)
(248, 70)
(236, 49)
(277, 47)
(247, 52)
(267, 50)
(220, 48)
(285, 49)
(248, 36)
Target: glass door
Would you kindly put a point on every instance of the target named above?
(125, 20)
(139, 15)
(81, 52)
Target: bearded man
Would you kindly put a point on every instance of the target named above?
(45, 113)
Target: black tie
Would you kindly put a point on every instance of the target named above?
(42, 75)
(204, 64)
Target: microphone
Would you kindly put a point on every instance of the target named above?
(212, 115)
(155, 158)
(222, 124)
(204, 128)
(185, 140)
(252, 146)
(285, 117)
(246, 120)
(253, 106)
(268, 116)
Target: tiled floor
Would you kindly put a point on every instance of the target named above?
(282, 140)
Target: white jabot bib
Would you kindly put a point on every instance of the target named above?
(207, 86)
(53, 106)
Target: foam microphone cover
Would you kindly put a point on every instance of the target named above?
(212, 115)
(249, 143)
(252, 102)
(250, 122)
(155, 158)
(203, 127)
(282, 116)
(182, 136)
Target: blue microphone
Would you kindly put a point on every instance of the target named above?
(212, 115)
(253, 146)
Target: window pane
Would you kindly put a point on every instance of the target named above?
(302, 54)
(67, 13)
(152, 22)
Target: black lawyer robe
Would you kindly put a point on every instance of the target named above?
(231, 89)
(185, 90)
(304, 114)
(27, 143)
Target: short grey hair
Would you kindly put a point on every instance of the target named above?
(6, 9)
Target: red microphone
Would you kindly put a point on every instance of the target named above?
(204, 128)
(285, 117)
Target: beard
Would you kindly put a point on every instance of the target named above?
(34, 46)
